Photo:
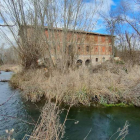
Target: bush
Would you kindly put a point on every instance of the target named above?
(120, 62)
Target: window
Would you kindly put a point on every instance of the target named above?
(87, 62)
(103, 59)
(96, 59)
(110, 49)
(79, 62)
(70, 49)
(87, 48)
(96, 49)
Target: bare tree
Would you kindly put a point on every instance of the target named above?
(129, 15)
(2, 54)
(8, 55)
(111, 22)
(6, 25)
(36, 41)
(128, 31)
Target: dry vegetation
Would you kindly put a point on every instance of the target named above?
(49, 126)
(108, 83)
(11, 67)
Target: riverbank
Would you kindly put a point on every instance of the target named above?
(55, 116)
(11, 67)
(109, 83)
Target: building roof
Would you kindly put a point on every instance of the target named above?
(77, 31)
(69, 30)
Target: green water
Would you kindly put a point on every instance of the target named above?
(103, 122)
(16, 113)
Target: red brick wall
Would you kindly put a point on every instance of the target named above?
(98, 44)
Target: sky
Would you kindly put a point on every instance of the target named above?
(100, 26)
(110, 5)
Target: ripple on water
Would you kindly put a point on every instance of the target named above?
(15, 110)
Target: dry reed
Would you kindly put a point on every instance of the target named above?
(107, 85)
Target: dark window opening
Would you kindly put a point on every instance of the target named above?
(87, 62)
(109, 49)
(96, 49)
(103, 59)
(87, 48)
(79, 62)
(68, 64)
(70, 49)
(96, 59)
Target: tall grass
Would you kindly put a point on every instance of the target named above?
(104, 84)
(11, 67)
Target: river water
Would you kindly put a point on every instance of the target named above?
(14, 111)
(102, 123)
(95, 123)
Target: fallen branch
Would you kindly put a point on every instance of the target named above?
(4, 80)
(7, 25)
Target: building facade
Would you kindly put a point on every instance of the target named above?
(88, 47)
(91, 47)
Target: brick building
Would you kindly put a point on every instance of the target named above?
(91, 47)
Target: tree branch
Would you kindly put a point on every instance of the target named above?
(7, 25)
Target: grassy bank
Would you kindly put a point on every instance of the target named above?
(108, 83)
(10, 67)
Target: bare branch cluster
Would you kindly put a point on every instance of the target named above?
(65, 22)
(123, 22)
